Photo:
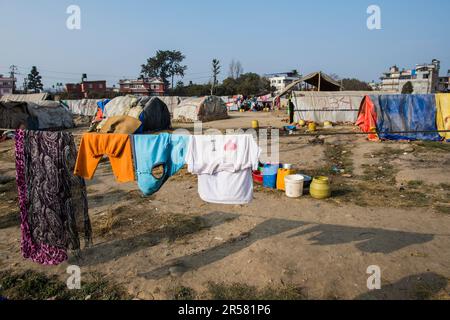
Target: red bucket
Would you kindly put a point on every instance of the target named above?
(257, 177)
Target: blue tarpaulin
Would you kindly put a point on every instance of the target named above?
(406, 113)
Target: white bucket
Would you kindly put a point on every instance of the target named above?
(294, 185)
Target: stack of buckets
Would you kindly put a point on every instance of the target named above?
(275, 177)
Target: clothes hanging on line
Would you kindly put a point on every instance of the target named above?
(117, 147)
(224, 167)
(53, 202)
(152, 151)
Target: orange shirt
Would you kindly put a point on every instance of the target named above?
(116, 146)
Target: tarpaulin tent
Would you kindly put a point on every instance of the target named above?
(31, 97)
(50, 115)
(342, 106)
(15, 114)
(204, 109)
(171, 101)
(401, 117)
(319, 80)
(155, 115)
(83, 107)
(443, 114)
(151, 111)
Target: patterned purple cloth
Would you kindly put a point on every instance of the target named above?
(53, 202)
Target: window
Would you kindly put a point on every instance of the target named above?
(91, 85)
(100, 86)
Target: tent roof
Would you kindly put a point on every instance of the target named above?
(326, 82)
(33, 97)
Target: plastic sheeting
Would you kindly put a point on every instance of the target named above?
(327, 106)
(14, 114)
(171, 101)
(84, 107)
(155, 115)
(123, 106)
(31, 97)
(443, 114)
(406, 113)
(204, 109)
(151, 111)
(367, 118)
(51, 115)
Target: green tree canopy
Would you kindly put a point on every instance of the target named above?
(408, 88)
(355, 85)
(165, 64)
(34, 82)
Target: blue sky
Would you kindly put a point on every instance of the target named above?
(116, 37)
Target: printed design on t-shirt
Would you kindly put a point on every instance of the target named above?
(230, 149)
(213, 142)
(230, 146)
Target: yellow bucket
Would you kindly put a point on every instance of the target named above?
(320, 188)
(255, 124)
(302, 123)
(312, 127)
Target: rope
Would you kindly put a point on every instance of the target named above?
(313, 134)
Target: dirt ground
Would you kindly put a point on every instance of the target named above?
(390, 208)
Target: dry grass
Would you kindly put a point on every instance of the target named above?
(31, 285)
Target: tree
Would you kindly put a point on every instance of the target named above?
(355, 85)
(408, 88)
(216, 72)
(165, 65)
(34, 81)
(295, 73)
(235, 69)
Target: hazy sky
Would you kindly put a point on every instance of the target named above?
(116, 37)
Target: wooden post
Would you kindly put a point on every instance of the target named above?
(320, 76)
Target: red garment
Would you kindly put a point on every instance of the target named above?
(367, 118)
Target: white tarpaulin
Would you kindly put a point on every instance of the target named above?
(32, 97)
(340, 106)
(208, 108)
(84, 107)
(171, 101)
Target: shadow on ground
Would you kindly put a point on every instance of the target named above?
(264, 230)
(113, 250)
(416, 287)
(368, 240)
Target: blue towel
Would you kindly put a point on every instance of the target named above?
(151, 151)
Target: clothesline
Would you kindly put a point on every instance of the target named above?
(311, 134)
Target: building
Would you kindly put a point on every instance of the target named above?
(444, 83)
(83, 89)
(281, 80)
(143, 86)
(6, 85)
(424, 78)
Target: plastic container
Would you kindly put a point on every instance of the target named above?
(270, 172)
(294, 185)
(257, 177)
(320, 188)
(282, 173)
(312, 127)
(255, 124)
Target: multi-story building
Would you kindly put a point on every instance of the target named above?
(424, 78)
(85, 88)
(281, 80)
(444, 83)
(143, 86)
(6, 85)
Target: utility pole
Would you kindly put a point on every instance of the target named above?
(25, 85)
(13, 70)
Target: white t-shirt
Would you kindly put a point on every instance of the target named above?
(224, 167)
